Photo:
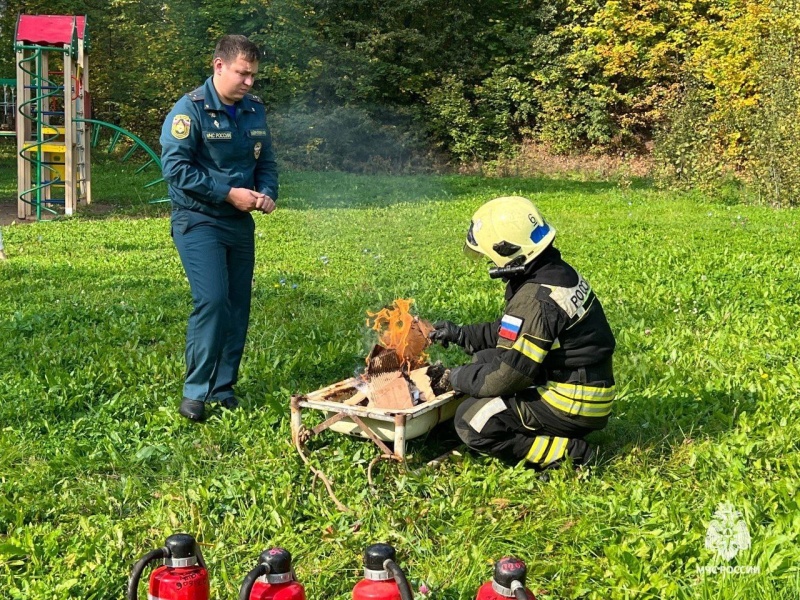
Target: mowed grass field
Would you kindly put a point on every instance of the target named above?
(96, 466)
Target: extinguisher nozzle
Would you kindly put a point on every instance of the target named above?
(400, 578)
(250, 580)
(138, 568)
(519, 590)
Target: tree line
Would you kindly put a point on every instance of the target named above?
(710, 86)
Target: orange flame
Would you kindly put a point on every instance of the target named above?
(402, 332)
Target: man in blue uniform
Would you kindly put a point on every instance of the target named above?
(541, 376)
(218, 161)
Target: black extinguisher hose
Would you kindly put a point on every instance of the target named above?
(519, 591)
(138, 568)
(250, 580)
(400, 578)
(200, 560)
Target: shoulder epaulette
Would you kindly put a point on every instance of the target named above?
(254, 98)
(197, 95)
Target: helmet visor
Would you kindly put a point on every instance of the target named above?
(473, 254)
(471, 246)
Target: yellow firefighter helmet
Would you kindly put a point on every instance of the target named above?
(508, 230)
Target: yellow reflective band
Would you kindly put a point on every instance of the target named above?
(574, 406)
(538, 449)
(532, 351)
(577, 391)
(557, 450)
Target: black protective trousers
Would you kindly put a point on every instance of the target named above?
(508, 426)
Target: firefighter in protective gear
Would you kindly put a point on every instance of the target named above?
(541, 375)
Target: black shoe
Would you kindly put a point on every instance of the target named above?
(229, 403)
(580, 452)
(193, 409)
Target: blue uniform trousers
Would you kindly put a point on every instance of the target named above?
(218, 255)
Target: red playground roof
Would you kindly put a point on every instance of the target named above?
(49, 29)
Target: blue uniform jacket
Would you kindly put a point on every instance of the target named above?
(205, 153)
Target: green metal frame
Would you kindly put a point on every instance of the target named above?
(119, 132)
(138, 143)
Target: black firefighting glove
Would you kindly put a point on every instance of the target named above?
(445, 332)
(440, 378)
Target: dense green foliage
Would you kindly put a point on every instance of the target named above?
(363, 85)
(96, 466)
(736, 115)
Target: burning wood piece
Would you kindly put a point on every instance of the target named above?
(382, 360)
(396, 376)
(391, 390)
(402, 332)
(385, 384)
(393, 378)
(394, 389)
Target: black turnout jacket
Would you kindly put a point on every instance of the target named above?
(553, 337)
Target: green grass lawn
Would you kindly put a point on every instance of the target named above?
(96, 466)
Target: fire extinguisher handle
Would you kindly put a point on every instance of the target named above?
(138, 568)
(200, 560)
(250, 580)
(400, 578)
(520, 593)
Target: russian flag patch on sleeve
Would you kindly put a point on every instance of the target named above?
(510, 327)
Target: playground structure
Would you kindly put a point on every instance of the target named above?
(52, 91)
(55, 130)
(8, 107)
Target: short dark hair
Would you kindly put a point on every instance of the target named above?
(230, 47)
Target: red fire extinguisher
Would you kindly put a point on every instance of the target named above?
(508, 581)
(383, 579)
(182, 576)
(272, 579)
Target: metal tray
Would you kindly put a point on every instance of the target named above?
(378, 424)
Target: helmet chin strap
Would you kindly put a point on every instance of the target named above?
(512, 269)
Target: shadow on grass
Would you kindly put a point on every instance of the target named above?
(649, 418)
(655, 425)
(93, 330)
